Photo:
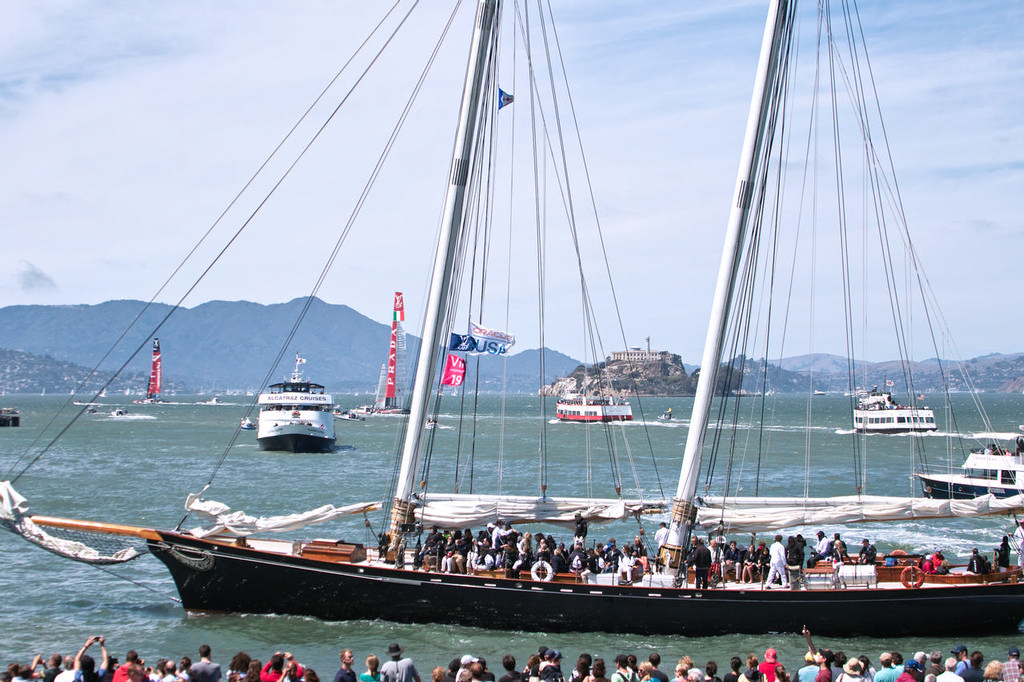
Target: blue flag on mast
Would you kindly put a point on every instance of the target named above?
(504, 98)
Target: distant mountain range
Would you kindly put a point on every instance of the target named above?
(224, 346)
(220, 346)
(996, 373)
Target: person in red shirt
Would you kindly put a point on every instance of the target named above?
(130, 658)
(767, 667)
(279, 667)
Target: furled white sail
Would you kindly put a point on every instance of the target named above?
(100, 549)
(760, 514)
(467, 511)
(241, 524)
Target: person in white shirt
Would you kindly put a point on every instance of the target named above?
(777, 563)
(170, 672)
(1018, 543)
(821, 548)
(949, 675)
(626, 562)
(661, 536)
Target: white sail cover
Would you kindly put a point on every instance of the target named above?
(759, 514)
(465, 511)
(12, 504)
(14, 517)
(240, 524)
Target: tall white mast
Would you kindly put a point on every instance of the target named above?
(682, 504)
(444, 261)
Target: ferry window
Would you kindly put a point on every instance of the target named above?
(931, 420)
(1008, 478)
(990, 474)
(901, 420)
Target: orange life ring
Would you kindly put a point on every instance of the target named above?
(912, 577)
(296, 413)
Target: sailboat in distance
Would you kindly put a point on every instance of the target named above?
(156, 376)
(392, 383)
(230, 565)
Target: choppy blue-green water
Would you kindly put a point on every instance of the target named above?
(138, 469)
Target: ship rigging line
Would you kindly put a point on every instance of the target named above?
(186, 259)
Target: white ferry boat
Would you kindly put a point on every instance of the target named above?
(994, 470)
(877, 412)
(295, 416)
(574, 407)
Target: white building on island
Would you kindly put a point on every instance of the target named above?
(638, 355)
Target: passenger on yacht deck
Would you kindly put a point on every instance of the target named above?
(1002, 557)
(756, 562)
(661, 536)
(499, 534)
(777, 565)
(822, 548)
(581, 528)
(978, 564)
(732, 560)
(868, 553)
(839, 554)
(610, 555)
(1018, 543)
(626, 563)
(939, 563)
(577, 558)
(701, 565)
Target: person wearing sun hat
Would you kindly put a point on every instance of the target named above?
(853, 671)
(398, 669)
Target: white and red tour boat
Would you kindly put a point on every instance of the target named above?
(576, 407)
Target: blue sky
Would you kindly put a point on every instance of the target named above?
(127, 127)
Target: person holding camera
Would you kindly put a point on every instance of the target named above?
(85, 665)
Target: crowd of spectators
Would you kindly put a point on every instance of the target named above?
(545, 665)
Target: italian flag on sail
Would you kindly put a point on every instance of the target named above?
(399, 308)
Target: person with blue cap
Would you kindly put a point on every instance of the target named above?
(962, 664)
(550, 667)
(1011, 669)
(912, 672)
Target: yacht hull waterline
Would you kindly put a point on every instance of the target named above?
(297, 442)
(216, 577)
